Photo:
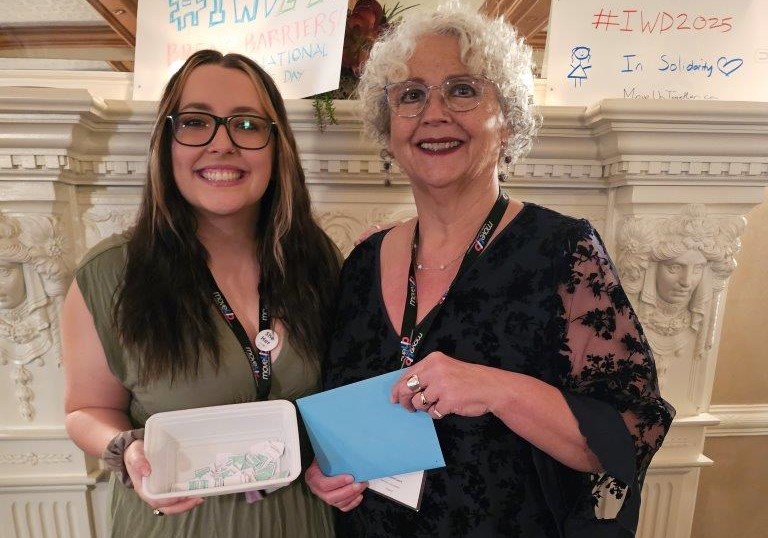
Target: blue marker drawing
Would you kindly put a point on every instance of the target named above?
(580, 57)
(217, 15)
(183, 12)
(632, 65)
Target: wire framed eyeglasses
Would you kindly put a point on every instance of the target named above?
(246, 131)
(408, 99)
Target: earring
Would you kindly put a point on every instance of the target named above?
(386, 156)
(504, 161)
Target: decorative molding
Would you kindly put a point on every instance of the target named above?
(739, 420)
(22, 378)
(33, 458)
(34, 434)
(556, 170)
(700, 168)
(67, 163)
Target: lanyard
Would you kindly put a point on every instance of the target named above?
(261, 367)
(412, 335)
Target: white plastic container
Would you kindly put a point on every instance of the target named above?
(178, 442)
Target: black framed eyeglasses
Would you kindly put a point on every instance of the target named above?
(408, 99)
(246, 131)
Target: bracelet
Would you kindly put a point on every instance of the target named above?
(113, 454)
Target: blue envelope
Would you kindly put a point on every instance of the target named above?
(355, 430)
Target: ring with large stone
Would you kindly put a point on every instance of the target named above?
(157, 512)
(424, 400)
(413, 383)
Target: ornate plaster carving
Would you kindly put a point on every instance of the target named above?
(345, 228)
(674, 270)
(100, 223)
(33, 280)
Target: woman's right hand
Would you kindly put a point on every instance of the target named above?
(340, 491)
(138, 467)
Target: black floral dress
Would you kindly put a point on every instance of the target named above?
(544, 299)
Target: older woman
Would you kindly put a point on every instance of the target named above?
(521, 343)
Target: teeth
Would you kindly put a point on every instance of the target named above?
(221, 175)
(438, 146)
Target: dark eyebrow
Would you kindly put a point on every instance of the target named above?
(206, 108)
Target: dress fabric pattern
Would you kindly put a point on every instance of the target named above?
(544, 300)
(290, 512)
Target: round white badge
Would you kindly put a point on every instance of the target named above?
(267, 340)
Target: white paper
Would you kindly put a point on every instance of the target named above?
(299, 43)
(656, 49)
(405, 489)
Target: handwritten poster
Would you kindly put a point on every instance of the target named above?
(298, 42)
(657, 49)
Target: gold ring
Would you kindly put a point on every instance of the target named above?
(157, 512)
(437, 413)
(424, 400)
(413, 383)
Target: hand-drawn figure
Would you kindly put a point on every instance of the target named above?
(580, 57)
(674, 270)
(33, 280)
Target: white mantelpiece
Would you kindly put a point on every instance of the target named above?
(650, 175)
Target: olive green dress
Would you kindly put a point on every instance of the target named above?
(290, 512)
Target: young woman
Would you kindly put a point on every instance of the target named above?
(225, 214)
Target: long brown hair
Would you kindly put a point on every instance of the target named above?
(163, 311)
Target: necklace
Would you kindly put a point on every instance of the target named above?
(442, 266)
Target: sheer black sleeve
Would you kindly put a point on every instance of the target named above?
(608, 377)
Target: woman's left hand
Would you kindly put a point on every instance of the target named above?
(446, 385)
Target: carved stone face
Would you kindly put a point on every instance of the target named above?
(677, 278)
(12, 289)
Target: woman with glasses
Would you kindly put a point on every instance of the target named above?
(165, 317)
(517, 337)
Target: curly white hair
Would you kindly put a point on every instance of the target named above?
(488, 47)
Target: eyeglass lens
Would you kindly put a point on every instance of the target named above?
(409, 98)
(198, 129)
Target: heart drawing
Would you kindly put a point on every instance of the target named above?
(728, 66)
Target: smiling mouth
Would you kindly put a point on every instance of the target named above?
(220, 176)
(439, 146)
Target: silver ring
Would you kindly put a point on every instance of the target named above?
(424, 400)
(157, 512)
(437, 413)
(413, 383)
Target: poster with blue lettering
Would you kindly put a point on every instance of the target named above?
(298, 42)
(656, 49)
